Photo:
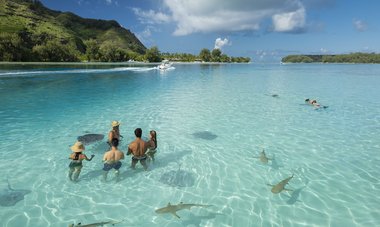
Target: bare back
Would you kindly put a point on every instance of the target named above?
(113, 156)
(138, 147)
(80, 158)
(113, 134)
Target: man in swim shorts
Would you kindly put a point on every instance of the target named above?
(138, 148)
(113, 158)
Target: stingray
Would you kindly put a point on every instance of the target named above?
(179, 178)
(206, 135)
(9, 197)
(90, 138)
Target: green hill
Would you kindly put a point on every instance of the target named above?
(35, 24)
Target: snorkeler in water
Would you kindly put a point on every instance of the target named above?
(317, 105)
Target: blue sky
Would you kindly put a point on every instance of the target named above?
(264, 30)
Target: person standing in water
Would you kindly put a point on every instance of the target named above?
(113, 158)
(114, 133)
(152, 145)
(138, 149)
(77, 158)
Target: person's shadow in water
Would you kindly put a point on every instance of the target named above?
(197, 220)
(161, 160)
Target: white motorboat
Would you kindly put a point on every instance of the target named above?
(130, 60)
(165, 64)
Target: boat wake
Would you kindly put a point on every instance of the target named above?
(30, 73)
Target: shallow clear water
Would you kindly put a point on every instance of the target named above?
(210, 122)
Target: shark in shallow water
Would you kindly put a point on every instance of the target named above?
(90, 138)
(96, 224)
(173, 209)
(263, 158)
(281, 186)
(9, 196)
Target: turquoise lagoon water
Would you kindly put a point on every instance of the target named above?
(210, 120)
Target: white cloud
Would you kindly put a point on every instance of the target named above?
(79, 2)
(219, 43)
(320, 28)
(117, 3)
(322, 51)
(109, 1)
(366, 48)
(360, 25)
(146, 35)
(150, 17)
(226, 16)
(289, 21)
(266, 53)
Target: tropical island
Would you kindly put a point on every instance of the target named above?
(31, 32)
(339, 58)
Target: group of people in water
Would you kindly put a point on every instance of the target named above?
(141, 150)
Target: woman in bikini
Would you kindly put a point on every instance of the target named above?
(152, 145)
(77, 158)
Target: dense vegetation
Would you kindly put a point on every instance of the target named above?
(31, 32)
(206, 56)
(339, 58)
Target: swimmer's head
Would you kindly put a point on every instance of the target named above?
(307, 100)
(115, 142)
(138, 132)
(314, 101)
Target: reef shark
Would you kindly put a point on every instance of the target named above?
(173, 209)
(281, 186)
(262, 157)
(9, 197)
(96, 224)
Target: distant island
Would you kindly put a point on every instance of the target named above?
(339, 58)
(31, 32)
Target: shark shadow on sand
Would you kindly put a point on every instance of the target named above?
(197, 220)
(179, 178)
(296, 193)
(206, 135)
(9, 196)
(275, 164)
